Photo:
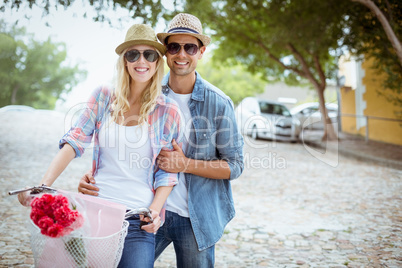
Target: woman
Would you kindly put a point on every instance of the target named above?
(130, 126)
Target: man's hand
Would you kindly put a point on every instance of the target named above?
(173, 161)
(85, 186)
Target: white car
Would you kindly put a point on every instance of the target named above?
(310, 115)
(266, 119)
(16, 108)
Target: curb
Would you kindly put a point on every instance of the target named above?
(357, 155)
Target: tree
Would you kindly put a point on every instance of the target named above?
(366, 36)
(290, 40)
(386, 25)
(149, 10)
(32, 72)
(235, 80)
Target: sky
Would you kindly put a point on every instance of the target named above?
(89, 44)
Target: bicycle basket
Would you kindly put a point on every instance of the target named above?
(74, 250)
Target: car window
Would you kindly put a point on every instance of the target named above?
(310, 110)
(281, 110)
(266, 108)
(269, 108)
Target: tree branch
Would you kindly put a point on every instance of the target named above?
(396, 44)
(320, 71)
(276, 59)
(305, 66)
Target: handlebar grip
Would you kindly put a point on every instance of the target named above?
(20, 191)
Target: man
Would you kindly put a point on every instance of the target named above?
(201, 205)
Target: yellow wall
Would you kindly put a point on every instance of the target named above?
(377, 106)
(348, 106)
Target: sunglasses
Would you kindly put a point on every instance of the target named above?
(174, 48)
(134, 55)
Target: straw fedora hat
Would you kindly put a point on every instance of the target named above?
(140, 34)
(184, 23)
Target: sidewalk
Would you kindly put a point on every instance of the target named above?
(349, 145)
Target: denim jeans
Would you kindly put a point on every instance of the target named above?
(178, 230)
(139, 246)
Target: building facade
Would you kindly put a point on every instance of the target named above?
(364, 110)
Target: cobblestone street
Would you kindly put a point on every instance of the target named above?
(292, 209)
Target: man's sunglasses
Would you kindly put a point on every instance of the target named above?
(134, 55)
(174, 48)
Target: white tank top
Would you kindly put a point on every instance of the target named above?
(124, 164)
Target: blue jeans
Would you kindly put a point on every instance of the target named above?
(139, 246)
(178, 230)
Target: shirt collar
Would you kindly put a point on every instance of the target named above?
(198, 90)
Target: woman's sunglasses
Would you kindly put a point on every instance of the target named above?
(174, 48)
(134, 55)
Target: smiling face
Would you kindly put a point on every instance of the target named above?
(141, 71)
(182, 64)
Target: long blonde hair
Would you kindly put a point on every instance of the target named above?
(120, 105)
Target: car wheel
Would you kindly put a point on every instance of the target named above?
(254, 133)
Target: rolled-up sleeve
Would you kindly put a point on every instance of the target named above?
(229, 141)
(80, 134)
(171, 129)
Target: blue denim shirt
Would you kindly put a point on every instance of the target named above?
(214, 135)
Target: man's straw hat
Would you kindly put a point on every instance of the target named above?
(185, 24)
(140, 34)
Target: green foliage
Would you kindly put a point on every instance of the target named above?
(31, 72)
(235, 81)
(367, 37)
(149, 10)
(275, 37)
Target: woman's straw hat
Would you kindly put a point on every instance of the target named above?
(140, 34)
(185, 24)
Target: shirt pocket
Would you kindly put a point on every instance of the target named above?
(206, 144)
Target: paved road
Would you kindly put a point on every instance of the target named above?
(293, 209)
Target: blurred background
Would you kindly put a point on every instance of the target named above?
(346, 53)
(317, 92)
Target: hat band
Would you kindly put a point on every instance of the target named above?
(182, 30)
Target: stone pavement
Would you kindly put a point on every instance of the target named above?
(294, 207)
(357, 147)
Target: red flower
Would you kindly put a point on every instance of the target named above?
(52, 214)
(56, 230)
(60, 201)
(64, 216)
(36, 215)
(45, 222)
(78, 221)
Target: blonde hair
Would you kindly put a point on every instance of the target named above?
(120, 105)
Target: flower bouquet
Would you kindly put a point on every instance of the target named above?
(62, 231)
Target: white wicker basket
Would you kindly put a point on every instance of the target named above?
(74, 250)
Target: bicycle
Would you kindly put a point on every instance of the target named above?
(78, 250)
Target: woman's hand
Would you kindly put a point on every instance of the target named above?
(154, 226)
(25, 198)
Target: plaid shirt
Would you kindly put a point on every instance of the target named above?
(163, 125)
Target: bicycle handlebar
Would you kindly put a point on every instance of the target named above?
(34, 190)
(43, 188)
(140, 211)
